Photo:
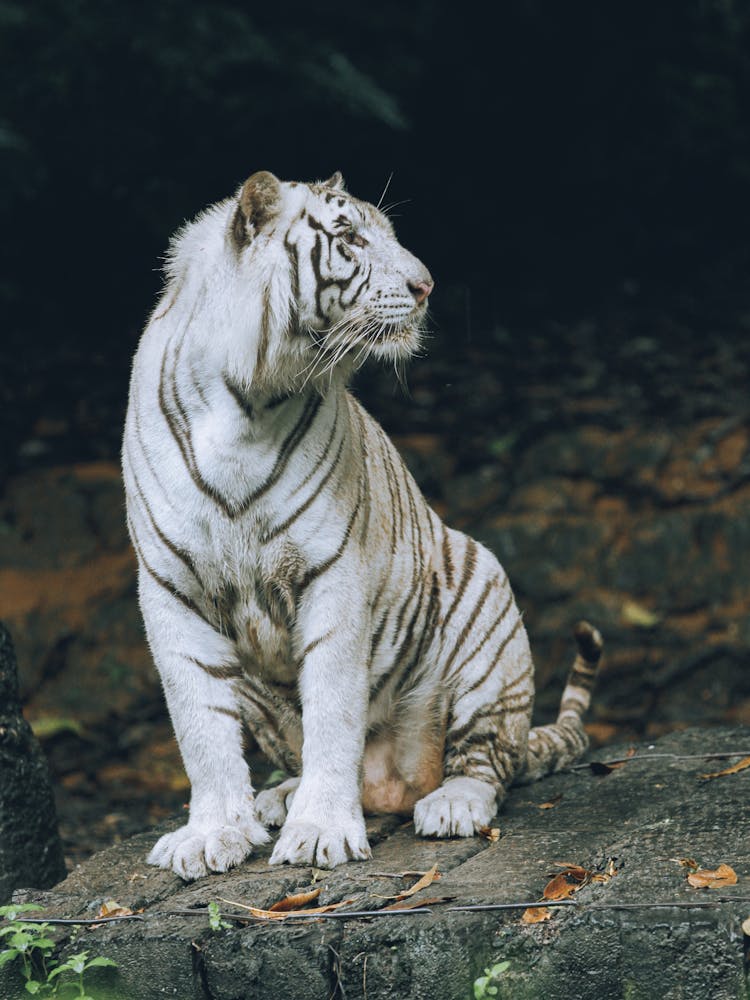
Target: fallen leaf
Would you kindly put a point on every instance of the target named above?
(690, 863)
(555, 800)
(576, 872)
(410, 904)
(112, 909)
(427, 879)
(256, 911)
(717, 878)
(489, 833)
(318, 874)
(739, 766)
(609, 872)
(637, 615)
(295, 902)
(746, 927)
(559, 888)
(536, 914)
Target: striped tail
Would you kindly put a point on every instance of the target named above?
(551, 748)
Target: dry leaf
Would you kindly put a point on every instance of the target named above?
(555, 800)
(410, 904)
(576, 872)
(746, 927)
(559, 888)
(609, 872)
(311, 911)
(536, 914)
(112, 909)
(637, 615)
(690, 863)
(427, 879)
(489, 833)
(705, 878)
(295, 902)
(739, 766)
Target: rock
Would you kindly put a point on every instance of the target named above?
(640, 932)
(30, 848)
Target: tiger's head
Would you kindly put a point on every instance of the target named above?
(339, 285)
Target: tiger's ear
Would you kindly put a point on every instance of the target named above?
(257, 204)
(335, 181)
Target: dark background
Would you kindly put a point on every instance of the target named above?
(576, 177)
(551, 158)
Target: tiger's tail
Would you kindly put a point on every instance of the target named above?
(553, 747)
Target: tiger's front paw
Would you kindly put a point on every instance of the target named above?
(324, 846)
(459, 808)
(192, 852)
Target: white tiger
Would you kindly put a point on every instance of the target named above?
(292, 578)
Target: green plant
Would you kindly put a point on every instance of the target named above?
(29, 943)
(78, 964)
(483, 986)
(214, 918)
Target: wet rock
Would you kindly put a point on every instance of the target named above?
(30, 849)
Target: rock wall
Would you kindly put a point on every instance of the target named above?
(30, 848)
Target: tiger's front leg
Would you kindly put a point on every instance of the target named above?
(197, 669)
(325, 825)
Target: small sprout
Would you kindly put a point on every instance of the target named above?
(215, 921)
(483, 986)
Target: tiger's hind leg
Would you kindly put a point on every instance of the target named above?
(488, 724)
(272, 804)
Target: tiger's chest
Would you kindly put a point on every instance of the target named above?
(248, 594)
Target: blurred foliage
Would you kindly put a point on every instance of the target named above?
(545, 154)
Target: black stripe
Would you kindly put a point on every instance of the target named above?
(315, 571)
(468, 624)
(225, 672)
(470, 560)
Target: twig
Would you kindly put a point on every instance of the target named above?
(79, 920)
(656, 756)
(301, 915)
(392, 874)
(580, 904)
(336, 965)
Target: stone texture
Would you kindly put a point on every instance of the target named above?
(30, 849)
(638, 818)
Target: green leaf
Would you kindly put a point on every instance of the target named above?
(64, 967)
(21, 940)
(32, 986)
(8, 955)
(100, 961)
(44, 944)
(499, 969)
(480, 987)
(10, 911)
(48, 726)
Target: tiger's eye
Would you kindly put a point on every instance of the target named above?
(353, 238)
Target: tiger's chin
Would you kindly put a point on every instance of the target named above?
(397, 344)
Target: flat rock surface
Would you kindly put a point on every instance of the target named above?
(631, 826)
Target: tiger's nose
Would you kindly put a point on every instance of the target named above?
(421, 289)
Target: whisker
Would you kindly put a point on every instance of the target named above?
(385, 189)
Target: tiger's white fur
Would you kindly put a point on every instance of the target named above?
(292, 578)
